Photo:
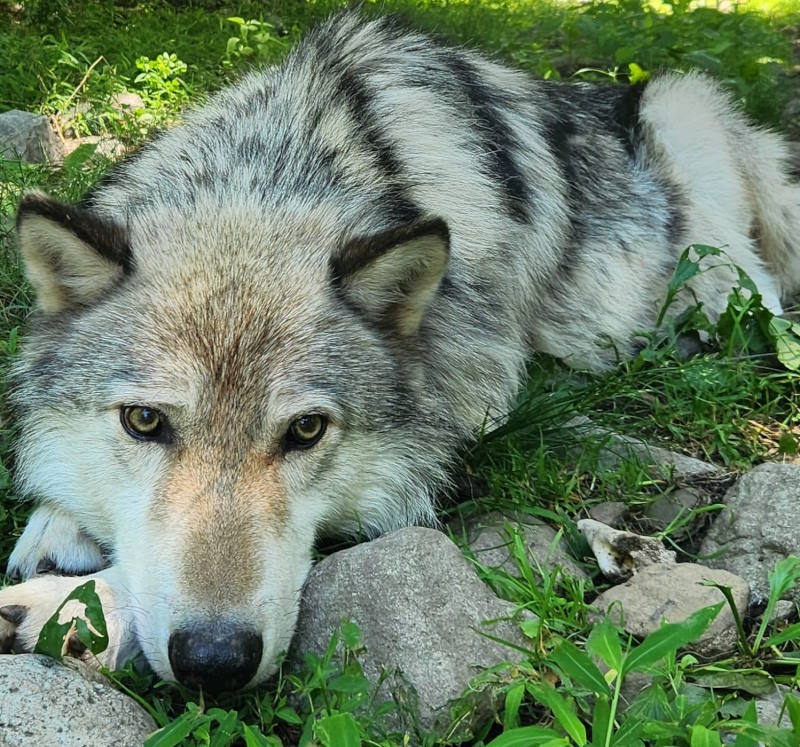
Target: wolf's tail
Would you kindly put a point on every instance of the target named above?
(774, 186)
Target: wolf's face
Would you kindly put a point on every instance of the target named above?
(204, 398)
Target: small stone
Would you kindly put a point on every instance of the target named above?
(489, 539)
(783, 611)
(663, 511)
(610, 512)
(671, 593)
(420, 607)
(621, 554)
(108, 147)
(759, 526)
(28, 137)
(48, 704)
(126, 101)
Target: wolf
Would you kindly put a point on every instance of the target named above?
(286, 316)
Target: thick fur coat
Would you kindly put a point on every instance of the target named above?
(373, 236)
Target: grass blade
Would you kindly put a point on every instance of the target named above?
(525, 736)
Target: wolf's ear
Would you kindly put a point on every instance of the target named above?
(71, 257)
(392, 276)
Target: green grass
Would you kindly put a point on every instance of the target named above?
(735, 404)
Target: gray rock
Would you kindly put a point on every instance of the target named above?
(622, 554)
(490, 540)
(669, 507)
(759, 526)
(420, 606)
(672, 593)
(28, 137)
(610, 512)
(616, 448)
(44, 703)
(784, 611)
(768, 709)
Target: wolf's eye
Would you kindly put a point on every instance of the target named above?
(143, 423)
(305, 431)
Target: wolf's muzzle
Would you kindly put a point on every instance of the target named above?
(217, 657)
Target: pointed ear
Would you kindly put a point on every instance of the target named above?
(71, 257)
(392, 276)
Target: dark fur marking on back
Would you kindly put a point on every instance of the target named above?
(397, 202)
(498, 140)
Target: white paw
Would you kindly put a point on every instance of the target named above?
(26, 607)
(53, 541)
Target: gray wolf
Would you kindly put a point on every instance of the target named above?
(285, 317)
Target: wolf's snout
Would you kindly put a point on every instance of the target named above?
(217, 657)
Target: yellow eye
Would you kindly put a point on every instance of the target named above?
(143, 423)
(305, 431)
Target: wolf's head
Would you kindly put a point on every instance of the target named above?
(206, 393)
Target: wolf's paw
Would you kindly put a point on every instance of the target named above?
(26, 607)
(53, 542)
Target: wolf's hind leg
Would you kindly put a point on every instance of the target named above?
(53, 541)
(26, 607)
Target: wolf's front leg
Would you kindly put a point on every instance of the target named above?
(26, 607)
(53, 541)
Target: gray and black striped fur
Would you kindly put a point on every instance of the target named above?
(379, 231)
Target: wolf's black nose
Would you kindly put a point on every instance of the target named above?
(217, 657)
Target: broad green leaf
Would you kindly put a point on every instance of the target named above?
(254, 738)
(636, 74)
(289, 715)
(51, 638)
(629, 733)
(793, 708)
(785, 336)
(175, 732)
(755, 681)
(351, 635)
(579, 668)
(511, 708)
(79, 156)
(527, 736)
(562, 709)
(792, 633)
(703, 737)
(601, 721)
(227, 727)
(349, 683)
(338, 730)
(781, 580)
(604, 643)
(750, 716)
(669, 638)
(768, 735)
(784, 577)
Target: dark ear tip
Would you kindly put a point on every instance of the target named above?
(33, 201)
(40, 204)
(436, 226)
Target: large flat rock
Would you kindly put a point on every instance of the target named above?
(46, 704)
